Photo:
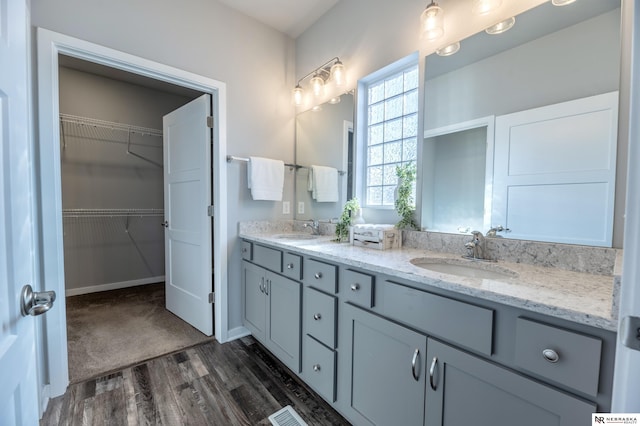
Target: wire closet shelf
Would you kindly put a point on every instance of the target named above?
(87, 130)
(82, 213)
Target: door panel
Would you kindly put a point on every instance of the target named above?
(18, 378)
(187, 194)
(387, 370)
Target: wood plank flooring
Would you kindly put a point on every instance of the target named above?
(238, 383)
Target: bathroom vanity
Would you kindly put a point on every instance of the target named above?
(387, 339)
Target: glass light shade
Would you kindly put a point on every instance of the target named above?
(317, 83)
(561, 2)
(449, 50)
(338, 73)
(297, 93)
(432, 22)
(482, 7)
(501, 27)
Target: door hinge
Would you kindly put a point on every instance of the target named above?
(210, 122)
(210, 211)
(211, 296)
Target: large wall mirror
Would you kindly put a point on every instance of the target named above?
(324, 137)
(520, 128)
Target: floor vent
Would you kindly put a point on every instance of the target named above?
(286, 417)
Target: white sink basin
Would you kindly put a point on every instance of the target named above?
(464, 268)
(297, 236)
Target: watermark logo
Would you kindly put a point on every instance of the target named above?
(615, 419)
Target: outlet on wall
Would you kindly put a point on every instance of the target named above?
(286, 207)
(300, 207)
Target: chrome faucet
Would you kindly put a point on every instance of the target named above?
(491, 233)
(314, 225)
(477, 246)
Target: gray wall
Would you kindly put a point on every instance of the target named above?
(97, 173)
(209, 39)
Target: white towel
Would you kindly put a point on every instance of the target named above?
(323, 184)
(265, 178)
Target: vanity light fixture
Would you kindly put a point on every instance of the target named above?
(432, 22)
(332, 70)
(482, 7)
(501, 26)
(561, 2)
(449, 50)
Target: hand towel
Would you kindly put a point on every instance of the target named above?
(323, 184)
(265, 178)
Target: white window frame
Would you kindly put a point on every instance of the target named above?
(362, 124)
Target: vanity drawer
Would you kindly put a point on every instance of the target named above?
(357, 288)
(319, 367)
(245, 249)
(267, 257)
(562, 356)
(292, 266)
(321, 275)
(452, 320)
(320, 316)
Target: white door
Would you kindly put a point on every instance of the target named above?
(18, 378)
(187, 196)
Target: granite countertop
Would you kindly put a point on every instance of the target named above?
(575, 296)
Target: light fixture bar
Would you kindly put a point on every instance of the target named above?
(333, 68)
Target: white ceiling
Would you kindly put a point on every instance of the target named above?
(291, 17)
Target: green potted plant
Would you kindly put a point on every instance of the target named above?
(405, 204)
(342, 228)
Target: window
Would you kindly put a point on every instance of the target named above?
(391, 133)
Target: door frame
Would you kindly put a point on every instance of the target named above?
(49, 45)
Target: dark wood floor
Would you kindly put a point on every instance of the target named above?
(237, 383)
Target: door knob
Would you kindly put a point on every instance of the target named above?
(36, 302)
(165, 224)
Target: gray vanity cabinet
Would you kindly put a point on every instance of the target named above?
(273, 312)
(386, 364)
(463, 389)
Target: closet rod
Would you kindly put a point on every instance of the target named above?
(231, 158)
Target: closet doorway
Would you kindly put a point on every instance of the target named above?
(114, 179)
(51, 47)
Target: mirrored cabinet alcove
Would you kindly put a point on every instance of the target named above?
(521, 128)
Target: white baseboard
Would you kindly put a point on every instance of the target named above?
(236, 333)
(112, 286)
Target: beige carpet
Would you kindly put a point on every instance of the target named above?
(114, 329)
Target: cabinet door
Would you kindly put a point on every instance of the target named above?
(387, 367)
(253, 284)
(463, 390)
(284, 316)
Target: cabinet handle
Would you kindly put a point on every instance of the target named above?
(261, 285)
(355, 287)
(432, 371)
(551, 355)
(289, 265)
(317, 316)
(414, 363)
(318, 275)
(316, 367)
(267, 285)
